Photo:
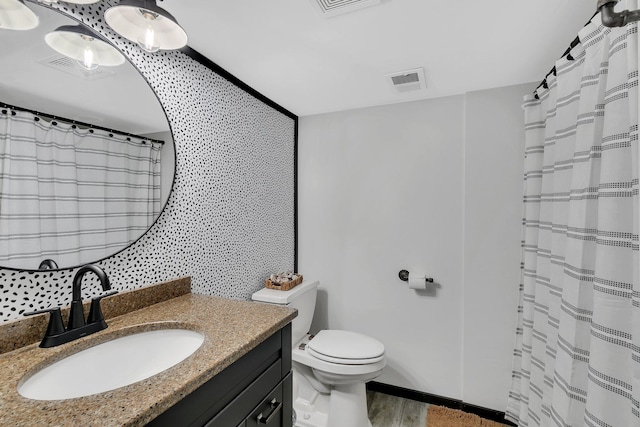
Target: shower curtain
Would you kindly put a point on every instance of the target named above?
(67, 192)
(577, 353)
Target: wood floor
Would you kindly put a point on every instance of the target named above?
(392, 411)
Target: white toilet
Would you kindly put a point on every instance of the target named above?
(331, 368)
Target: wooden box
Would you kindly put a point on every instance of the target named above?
(283, 286)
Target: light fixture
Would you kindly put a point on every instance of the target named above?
(145, 23)
(77, 42)
(15, 15)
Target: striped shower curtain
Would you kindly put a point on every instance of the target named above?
(74, 195)
(577, 353)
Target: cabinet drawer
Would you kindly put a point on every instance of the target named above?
(270, 412)
(245, 402)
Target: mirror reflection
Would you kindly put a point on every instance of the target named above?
(86, 154)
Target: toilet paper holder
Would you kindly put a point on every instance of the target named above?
(404, 276)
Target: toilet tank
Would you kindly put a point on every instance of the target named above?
(301, 297)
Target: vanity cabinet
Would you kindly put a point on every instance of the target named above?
(256, 390)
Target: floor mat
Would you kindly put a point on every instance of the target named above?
(439, 416)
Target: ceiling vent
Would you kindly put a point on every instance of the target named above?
(338, 7)
(70, 66)
(408, 81)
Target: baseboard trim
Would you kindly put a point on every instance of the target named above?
(432, 399)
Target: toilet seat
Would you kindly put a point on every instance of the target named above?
(345, 347)
(302, 355)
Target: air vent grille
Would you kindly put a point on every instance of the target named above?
(408, 81)
(405, 78)
(70, 66)
(339, 7)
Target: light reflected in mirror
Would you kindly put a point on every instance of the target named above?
(35, 77)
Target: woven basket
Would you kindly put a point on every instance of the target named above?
(283, 286)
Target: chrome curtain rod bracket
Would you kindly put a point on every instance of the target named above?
(616, 19)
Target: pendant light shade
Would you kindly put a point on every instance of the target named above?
(15, 15)
(145, 23)
(77, 42)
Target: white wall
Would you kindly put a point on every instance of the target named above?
(401, 187)
(494, 167)
(381, 190)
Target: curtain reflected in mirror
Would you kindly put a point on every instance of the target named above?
(80, 176)
(69, 193)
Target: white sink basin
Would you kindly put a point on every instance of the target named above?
(112, 364)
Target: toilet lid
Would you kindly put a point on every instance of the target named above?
(345, 347)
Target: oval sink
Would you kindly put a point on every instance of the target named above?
(112, 364)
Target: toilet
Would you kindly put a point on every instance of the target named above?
(330, 368)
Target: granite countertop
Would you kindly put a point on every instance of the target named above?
(231, 329)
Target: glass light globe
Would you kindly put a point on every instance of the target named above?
(147, 39)
(88, 57)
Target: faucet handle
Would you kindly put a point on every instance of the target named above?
(55, 327)
(95, 312)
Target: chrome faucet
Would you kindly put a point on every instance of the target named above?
(77, 327)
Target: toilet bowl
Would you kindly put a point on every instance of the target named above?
(330, 368)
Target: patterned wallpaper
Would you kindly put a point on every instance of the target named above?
(229, 221)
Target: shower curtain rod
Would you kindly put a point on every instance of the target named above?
(75, 122)
(566, 53)
(610, 18)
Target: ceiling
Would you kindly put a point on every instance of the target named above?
(29, 78)
(310, 64)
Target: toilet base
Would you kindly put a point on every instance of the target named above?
(344, 406)
(319, 420)
(348, 406)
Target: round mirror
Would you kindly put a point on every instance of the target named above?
(86, 154)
